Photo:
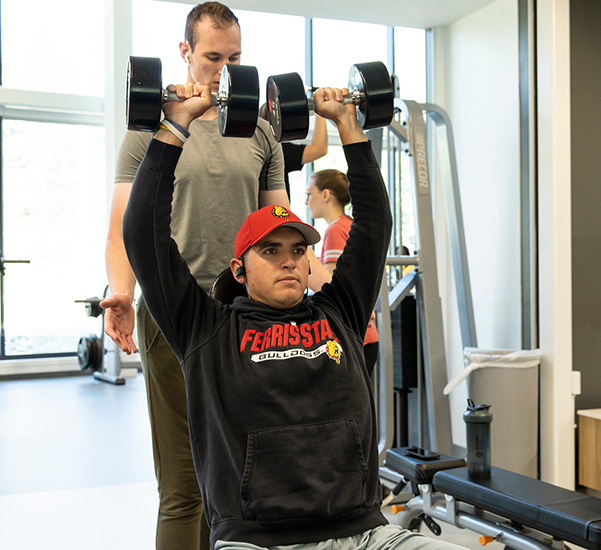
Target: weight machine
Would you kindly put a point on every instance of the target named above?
(410, 127)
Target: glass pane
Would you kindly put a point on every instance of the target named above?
(298, 188)
(53, 46)
(170, 17)
(410, 62)
(334, 159)
(363, 42)
(54, 215)
(263, 38)
(260, 32)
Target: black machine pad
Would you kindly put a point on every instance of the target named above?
(418, 470)
(565, 514)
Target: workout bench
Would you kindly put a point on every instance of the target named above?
(520, 512)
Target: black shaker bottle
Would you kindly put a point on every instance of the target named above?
(477, 419)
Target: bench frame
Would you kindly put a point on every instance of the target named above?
(428, 504)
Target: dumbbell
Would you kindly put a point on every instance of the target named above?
(237, 98)
(370, 89)
(92, 306)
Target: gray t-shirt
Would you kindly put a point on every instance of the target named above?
(217, 184)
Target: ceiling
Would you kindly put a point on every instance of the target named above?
(423, 14)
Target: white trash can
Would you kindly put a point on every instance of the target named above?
(507, 380)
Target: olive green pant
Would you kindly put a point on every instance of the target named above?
(180, 523)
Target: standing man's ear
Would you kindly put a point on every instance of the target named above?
(184, 50)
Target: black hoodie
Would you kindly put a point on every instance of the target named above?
(281, 416)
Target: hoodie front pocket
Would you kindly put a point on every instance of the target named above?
(315, 470)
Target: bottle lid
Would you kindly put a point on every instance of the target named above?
(477, 413)
(472, 407)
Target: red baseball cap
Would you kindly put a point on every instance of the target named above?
(267, 219)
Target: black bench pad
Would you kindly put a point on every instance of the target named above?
(417, 470)
(565, 514)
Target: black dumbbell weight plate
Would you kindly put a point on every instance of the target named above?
(287, 107)
(373, 80)
(238, 114)
(93, 308)
(144, 93)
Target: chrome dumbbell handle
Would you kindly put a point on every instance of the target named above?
(354, 97)
(218, 99)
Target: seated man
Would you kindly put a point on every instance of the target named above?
(281, 416)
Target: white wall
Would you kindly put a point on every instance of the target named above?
(476, 60)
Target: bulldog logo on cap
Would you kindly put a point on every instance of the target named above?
(280, 212)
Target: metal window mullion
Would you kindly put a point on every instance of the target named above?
(429, 37)
(309, 82)
(528, 173)
(35, 106)
(1, 71)
(309, 51)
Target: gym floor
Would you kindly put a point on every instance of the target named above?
(76, 467)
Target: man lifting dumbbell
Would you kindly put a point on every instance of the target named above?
(216, 190)
(283, 423)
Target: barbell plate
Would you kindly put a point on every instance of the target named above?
(90, 352)
(238, 115)
(83, 353)
(287, 107)
(144, 93)
(377, 107)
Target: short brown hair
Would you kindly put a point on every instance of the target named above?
(221, 15)
(335, 181)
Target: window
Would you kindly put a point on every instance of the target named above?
(410, 70)
(53, 187)
(355, 43)
(46, 51)
(410, 63)
(54, 199)
(274, 43)
(170, 18)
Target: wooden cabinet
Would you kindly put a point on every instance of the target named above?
(589, 448)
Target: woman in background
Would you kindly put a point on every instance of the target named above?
(327, 195)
